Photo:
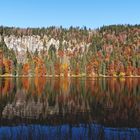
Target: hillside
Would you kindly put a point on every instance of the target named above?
(110, 50)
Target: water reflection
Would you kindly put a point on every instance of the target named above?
(107, 101)
(59, 101)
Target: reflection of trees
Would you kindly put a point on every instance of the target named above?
(108, 101)
(64, 85)
(6, 85)
(120, 107)
(7, 88)
(39, 84)
(25, 82)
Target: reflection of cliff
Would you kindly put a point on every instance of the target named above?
(28, 108)
(43, 106)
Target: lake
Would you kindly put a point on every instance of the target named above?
(70, 108)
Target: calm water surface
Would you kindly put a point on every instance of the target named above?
(70, 108)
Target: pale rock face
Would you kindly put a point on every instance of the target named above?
(35, 42)
(54, 42)
(32, 43)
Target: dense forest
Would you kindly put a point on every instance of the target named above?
(107, 51)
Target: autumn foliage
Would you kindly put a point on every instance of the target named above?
(108, 51)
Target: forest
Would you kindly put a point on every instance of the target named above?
(107, 51)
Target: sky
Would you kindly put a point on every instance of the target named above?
(89, 13)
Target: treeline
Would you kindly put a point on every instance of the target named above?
(112, 50)
(55, 32)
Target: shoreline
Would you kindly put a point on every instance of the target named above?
(72, 76)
